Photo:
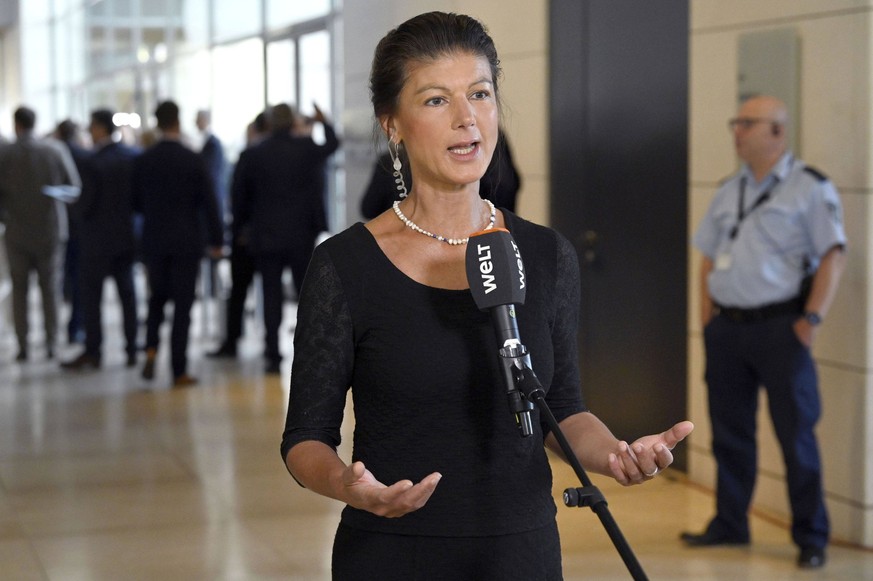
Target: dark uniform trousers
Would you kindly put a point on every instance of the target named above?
(740, 357)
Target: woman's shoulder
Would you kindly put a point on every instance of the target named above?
(351, 248)
(350, 237)
(528, 233)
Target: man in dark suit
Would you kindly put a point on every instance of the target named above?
(280, 193)
(242, 264)
(104, 213)
(212, 152)
(174, 193)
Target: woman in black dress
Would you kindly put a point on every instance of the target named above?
(441, 485)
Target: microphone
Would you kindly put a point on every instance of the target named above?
(496, 276)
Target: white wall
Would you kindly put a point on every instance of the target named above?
(834, 119)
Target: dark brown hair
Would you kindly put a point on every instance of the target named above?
(25, 118)
(167, 115)
(103, 118)
(425, 38)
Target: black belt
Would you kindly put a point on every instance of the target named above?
(737, 315)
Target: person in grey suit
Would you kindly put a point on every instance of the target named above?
(30, 172)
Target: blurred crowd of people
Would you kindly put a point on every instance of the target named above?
(80, 209)
(83, 205)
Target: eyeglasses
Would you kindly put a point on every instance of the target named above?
(746, 123)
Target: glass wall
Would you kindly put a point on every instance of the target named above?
(282, 13)
(314, 68)
(235, 58)
(38, 80)
(281, 77)
(237, 98)
(234, 19)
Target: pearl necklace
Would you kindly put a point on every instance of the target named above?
(453, 241)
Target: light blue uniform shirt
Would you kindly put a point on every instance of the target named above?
(778, 241)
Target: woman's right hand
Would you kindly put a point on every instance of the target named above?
(363, 491)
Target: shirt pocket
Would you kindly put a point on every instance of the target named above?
(778, 229)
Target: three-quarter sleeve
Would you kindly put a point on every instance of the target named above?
(323, 358)
(565, 394)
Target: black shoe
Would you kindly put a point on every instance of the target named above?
(811, 557)
(710, 539)
(273, 367)
(131, 360)
(22, 355)
(225, 350)
(49, 352)
(81, 362)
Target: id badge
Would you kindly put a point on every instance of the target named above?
(723, 261)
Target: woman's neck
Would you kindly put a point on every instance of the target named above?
(451, 214)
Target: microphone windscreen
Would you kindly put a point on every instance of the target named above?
(495, 271)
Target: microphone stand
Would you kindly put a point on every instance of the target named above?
(515, 362)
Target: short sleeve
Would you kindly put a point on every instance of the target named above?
(706, 237)
(826, 219)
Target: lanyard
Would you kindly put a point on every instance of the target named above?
(741, 211)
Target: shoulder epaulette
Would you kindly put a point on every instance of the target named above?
(815, 173)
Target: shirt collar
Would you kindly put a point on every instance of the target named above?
(779, 171)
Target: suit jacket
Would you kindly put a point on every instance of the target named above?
(105, 209)
(31, 217)
(212, 153)
(174, 193)
(239, 230)
(279, 191)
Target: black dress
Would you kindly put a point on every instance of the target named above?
(428, 396)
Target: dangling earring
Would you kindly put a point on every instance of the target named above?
(395, 159)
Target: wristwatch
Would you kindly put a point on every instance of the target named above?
(812, 318)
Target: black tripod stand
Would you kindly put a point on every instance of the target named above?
(523, 387)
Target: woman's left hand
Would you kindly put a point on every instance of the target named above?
(641, 461)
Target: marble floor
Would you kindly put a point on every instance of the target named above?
(106, 476)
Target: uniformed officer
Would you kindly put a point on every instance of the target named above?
(773, 249)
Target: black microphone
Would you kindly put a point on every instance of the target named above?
(496, 276)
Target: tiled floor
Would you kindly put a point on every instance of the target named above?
(106, 476)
